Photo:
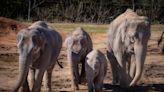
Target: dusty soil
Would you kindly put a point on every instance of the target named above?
(151, 81)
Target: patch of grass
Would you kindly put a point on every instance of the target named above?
(91, 27)
(72, 26)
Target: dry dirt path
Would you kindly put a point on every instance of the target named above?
(152, 80)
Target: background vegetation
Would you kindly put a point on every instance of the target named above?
(92, 11)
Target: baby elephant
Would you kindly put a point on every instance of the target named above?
(95, 67)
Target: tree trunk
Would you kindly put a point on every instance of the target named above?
(29, 9)
(133, 5)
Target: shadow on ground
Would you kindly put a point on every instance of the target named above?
(141, 88)
(4, 90)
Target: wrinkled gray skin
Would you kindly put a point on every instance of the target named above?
(127, 45)
(78, 45)
(96, 68)
(161, 43)
(39, 46)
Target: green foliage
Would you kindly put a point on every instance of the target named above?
(12, 8)
(93, 11)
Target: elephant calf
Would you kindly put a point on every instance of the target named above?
(78, 45)
(95, 67)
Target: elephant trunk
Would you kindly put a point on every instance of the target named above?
(140, 54)
(71, 68)
(74, 70)
(23, 72)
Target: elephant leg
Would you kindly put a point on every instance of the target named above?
(98, 87)
(75, 72)
(98, 82)
(90, 83)
(114, 68)
(83, 74)
(122, 70)
(73, 63)
(47, 79)
(25, 86)
(39, 76)
(31, 77)
(130, 62)
(89, 77)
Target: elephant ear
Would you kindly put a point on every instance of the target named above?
(39, 44)
(122, 32)
(19, 39)
(127, 32)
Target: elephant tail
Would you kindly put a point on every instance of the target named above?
(160, 39)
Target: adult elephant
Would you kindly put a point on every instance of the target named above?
(128, 36)
(161, 43)
(39, 46)
(78, 45)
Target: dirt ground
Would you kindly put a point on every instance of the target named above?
(151, 81)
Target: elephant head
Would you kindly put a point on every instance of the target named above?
(141, 37)
(30, 43)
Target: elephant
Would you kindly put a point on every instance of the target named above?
(38, 47)
(96, 68)
(127, 41)
(78, 45)
(161, 43)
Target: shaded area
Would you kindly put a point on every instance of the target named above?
(4, 90)
(141, 88)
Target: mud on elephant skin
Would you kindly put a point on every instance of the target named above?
(39, 47)
(78, 45)
(128, 36)
(96, 69)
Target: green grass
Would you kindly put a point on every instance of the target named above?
(91, 27)
(88, 27)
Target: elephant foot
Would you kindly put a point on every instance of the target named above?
(47, 90)
(77, 87)
(24, 89)
(124, 85)
(115, 82)
(83, 81)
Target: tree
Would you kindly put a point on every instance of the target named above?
(32, 5)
